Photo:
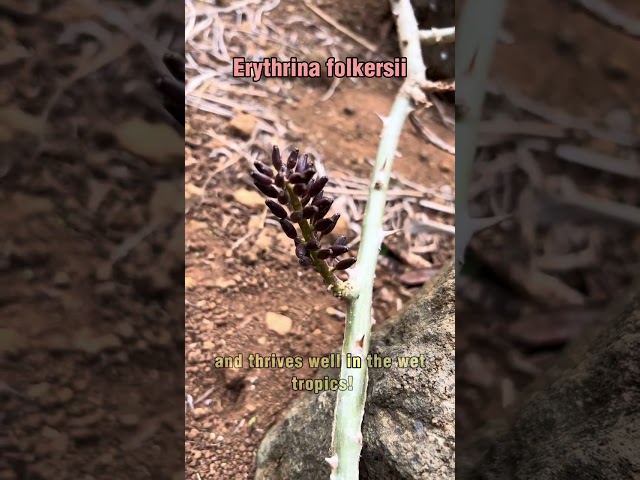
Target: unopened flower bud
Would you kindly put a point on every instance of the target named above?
(288, 228)
(300, 189)
(283, 197)
(263, 168)
(276, 159)
(261, 178)
(324, 253)
(324, 205)
(302, 163)
(344, 264)
(338, 250)
(276, 209)
(301, 250)
(296, 178)
(342, 240)
(268, 190)
(308, 174)
(317, 185)
(309, 211)
(305, 262)
(313, 245)
(293, 158)
(334, 220)
(323, 224)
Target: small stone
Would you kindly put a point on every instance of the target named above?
(129, 419)
(50, 433)
(262, 340)
(11, 341)
(193, 433)
(278, 323)
(56, 342)
(189, 282)
(163, 339)
(444, 166)
(125, 330)
(208, 345)
(617, 66)
(263, 242)
(96, 344)
(65, 394)
(103, 272)
(87, 420)
(250, 258)
(61, 279)
(38, 390)
(233, 376)
(84, 434)
(194, 356)
(199, 412)
(248, 198)
(224, 283)
(157, 142)
(242, 125)
(106, 289)
(335, 312)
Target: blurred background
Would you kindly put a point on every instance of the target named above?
(559, 156)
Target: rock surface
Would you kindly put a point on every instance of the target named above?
(408, 427)
(579, 421)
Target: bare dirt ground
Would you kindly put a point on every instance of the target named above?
(240, 268)
(540, 278)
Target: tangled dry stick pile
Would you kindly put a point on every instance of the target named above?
(244, 291)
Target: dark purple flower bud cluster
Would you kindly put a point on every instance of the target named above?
(301, 207)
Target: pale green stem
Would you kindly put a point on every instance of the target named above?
(346, 442)
(478, 33)
(347, 437)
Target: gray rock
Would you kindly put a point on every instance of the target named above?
(580, 420)
(408, 426)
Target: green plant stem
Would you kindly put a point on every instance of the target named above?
(347, 437)
(478, 33)
(346, 441)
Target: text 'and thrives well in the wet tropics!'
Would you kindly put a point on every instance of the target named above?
(334, 360)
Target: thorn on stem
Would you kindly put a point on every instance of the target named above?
(333, 461)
